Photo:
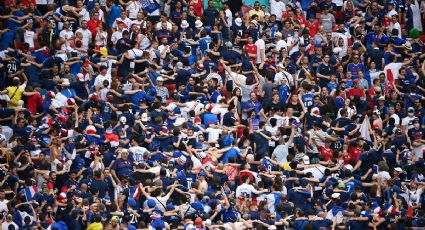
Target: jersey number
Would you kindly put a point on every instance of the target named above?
(11, 68)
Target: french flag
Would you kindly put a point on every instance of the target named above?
(136, 192)
(391, 209)
(30, 192)
(376, 209)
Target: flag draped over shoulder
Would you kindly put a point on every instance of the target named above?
(30, 192)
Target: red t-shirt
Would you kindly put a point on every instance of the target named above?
(93, 24)
(26, 3)
(326, 153)
(353, 92)
(251, 49)
(347, 159)
(355, 152)
(197, 7)
(33, 102)
(313, 27)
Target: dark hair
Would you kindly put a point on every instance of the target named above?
(273, 121)
(102, 67)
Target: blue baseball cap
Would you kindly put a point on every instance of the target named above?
(132, 202)
(158, 223)
(170, 207)
(197, 206)
(151, 203)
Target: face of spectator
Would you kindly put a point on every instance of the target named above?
(190, 133)
(253, 96)
(276, 98)
(394, 19)
(250, 40)
(394, 96)
(120, 26)
(257, 6)
(318, 51)
(402, 73)
(123, 14)
(291, 14)
(347, 102)
(66, 68)
(124, 155)
(329, 37)
(201, 138)
(66, 25)
(114, 223)
(53, 177)
(418, 104)
(21, 123)
(139, 16)
(73, 176)
(326, 59)
(417, 124)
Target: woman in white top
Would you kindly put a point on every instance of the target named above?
(351, 110)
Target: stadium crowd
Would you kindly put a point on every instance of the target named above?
(191, 114)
